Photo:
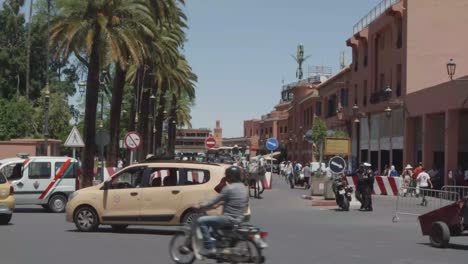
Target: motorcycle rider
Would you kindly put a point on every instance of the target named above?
(236, 200)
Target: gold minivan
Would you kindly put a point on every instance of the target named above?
(155, 193)
(7, 201)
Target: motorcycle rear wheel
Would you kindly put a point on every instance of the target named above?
(249, 253)
(180, 249)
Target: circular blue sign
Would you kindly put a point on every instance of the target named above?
(337, 165)
(272, 144)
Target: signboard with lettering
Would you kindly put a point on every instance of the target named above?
(337, 146)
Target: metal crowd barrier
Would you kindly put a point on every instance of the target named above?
(416, 201)
(461, 190)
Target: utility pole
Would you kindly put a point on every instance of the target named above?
(47, 92)
(28, 63)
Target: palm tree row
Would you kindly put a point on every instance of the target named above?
(140, 41)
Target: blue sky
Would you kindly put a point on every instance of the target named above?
(240, 50)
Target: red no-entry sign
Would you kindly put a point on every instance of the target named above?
(132, 140)
(210, 142)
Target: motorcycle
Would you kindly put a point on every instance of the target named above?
(342, 194)
(240, 243)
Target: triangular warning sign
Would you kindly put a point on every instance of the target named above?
(74, 139)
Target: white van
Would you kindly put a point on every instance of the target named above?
(47, 181)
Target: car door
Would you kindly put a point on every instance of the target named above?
(161, 197)
(13, 171)
(122, 201)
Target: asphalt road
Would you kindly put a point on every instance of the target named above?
(298, 233)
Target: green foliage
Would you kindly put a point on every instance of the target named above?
(59, 116)
(16, 119)
(339, 134)
(319, 130)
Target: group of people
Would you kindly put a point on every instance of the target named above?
(416, 181)
(294, 172)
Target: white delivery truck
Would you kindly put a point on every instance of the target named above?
(45, 181)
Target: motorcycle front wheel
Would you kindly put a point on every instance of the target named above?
(180, 249)
(247, 252)
(345, 204)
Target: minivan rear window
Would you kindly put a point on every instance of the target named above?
(39, 170)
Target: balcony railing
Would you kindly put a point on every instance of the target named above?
(373, 15)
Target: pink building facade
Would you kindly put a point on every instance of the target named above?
(400, 51)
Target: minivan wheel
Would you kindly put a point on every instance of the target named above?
(5, 219)
(57, 203)
(190, 217)
(86, 219)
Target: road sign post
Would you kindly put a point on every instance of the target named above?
(132, 141)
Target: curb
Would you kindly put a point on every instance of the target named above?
(307, 197)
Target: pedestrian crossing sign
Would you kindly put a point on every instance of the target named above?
(74, 139)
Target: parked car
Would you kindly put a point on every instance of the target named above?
(46, 181)
(7, 201)
(153, 193)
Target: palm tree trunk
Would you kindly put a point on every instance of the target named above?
(160, 117)
(143, 122)
(171, 132)
(92, 95)
(116, 108)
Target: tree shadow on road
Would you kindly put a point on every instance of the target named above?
(450, 246)
(135, 231)
(31, 210)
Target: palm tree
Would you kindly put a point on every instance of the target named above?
(154, 44)
(184, 88)
(92, 30)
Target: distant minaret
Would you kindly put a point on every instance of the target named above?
(342, 60)
(218, 134)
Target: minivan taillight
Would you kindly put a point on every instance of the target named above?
(12, 190)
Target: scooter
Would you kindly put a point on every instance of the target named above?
(342, 194)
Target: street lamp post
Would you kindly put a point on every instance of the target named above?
(388, 114)
(47, 92)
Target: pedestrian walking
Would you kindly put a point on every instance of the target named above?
(386, 171)
(119, 164)
(406, 176)
(424, 182)
(416, 172)
(307, 176)
(290, 174)
(392, 172)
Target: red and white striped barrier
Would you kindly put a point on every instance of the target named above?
(266, 181)
(382, 185)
